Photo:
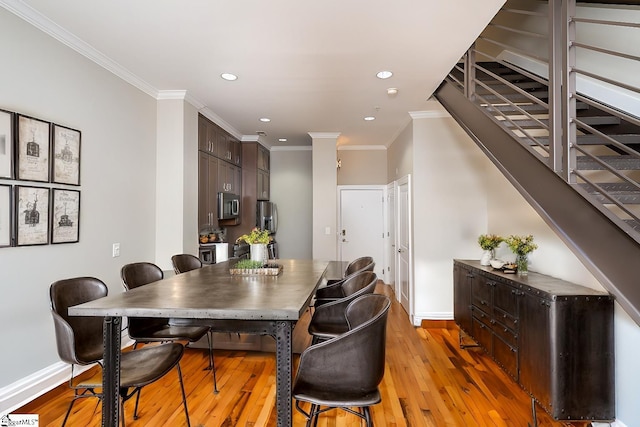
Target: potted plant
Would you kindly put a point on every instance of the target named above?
(489, 243)
(521, 246)
(258, 240)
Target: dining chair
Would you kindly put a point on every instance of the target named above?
(154, 329)
(332, 288)
(79, 341)
(345, 372)
(185, 262)
(329, 319)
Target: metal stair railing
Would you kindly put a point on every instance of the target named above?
(513, 72)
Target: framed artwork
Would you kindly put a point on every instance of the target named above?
(32, 215)
(7, 124)
(66, 155)
(65, 216)
(6, 232)
(33, 149)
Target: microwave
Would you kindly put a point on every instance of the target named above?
(228, 206)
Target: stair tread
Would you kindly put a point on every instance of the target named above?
(623, 162)
(623, 192)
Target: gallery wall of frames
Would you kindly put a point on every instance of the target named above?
(39, 181)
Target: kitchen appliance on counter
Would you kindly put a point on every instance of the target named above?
(211, 253)
(267, 219)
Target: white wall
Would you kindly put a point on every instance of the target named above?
(291, 190)
(324, 195)
(42, 78)
(449, 209)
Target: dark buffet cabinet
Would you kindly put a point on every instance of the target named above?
(553, 337)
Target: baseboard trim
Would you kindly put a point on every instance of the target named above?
(438, 324)
(23, 391)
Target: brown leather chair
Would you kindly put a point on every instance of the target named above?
(345, 372)
(329, 318)
(185, 262)
(155, 329)
(79, 342)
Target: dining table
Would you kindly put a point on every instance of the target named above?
(251, 303)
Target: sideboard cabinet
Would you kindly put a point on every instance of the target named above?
(553, 337)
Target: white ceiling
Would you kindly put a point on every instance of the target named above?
(308, 66)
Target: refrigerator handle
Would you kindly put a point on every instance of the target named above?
(275, 218)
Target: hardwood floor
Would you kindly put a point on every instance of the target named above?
(429, 381)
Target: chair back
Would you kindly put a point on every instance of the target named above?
(359, 284)
(133, 276)
(364, 263)
(78, 338)
(140, 273)
(185, 262)
(354, 361)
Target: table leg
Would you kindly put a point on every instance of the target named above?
(284, 368)
(111, 372)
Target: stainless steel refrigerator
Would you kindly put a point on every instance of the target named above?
(267, 219)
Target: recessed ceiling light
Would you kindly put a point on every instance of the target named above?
(282, 139)
(265, 119)
(228, 76)
(384, 74)
(369, 118)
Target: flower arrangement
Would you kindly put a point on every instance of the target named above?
(489, 242)
(521, 245)
(255, 236)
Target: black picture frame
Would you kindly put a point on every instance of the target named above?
(33, 149)
(6, 216)
(65, 157)
(32, 206)
(65, 216)
(7, 144)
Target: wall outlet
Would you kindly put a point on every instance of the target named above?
(115, 252)
(327, 231)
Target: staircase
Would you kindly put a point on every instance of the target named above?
(574, 157)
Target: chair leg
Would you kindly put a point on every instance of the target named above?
(135, 410)
(367, 416)
(184, 396)
(212, 365)
(68, 412)
(313, 416)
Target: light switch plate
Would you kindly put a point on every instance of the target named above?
(115, 250)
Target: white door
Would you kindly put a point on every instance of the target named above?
(404, 260)
(361, 225)
(390, 238)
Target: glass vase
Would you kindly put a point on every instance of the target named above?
(522, 262)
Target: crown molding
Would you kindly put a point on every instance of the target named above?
(292, 148)
(324, 135)
(360, 147)
(65, 37)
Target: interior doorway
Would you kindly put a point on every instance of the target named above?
(404, 237)
(361, 224)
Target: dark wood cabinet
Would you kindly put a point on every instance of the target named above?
(207, 190)
(555, 338)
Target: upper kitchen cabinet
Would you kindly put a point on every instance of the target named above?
(207, 135)
(207, 194)
(263, 158)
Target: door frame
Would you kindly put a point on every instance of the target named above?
(405, 180)
(340, 188)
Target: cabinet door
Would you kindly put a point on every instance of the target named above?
(236, 152)
(462, 296)
(534, 347)
(203, 143)
(223, 146)
(236, 186)
(207, 190)
(203, 190)
(263, 158)
(263, 185)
